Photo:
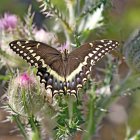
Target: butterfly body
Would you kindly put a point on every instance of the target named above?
(63, 72)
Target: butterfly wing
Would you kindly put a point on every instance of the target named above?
(81, 61)
(35, 53)
(48, 60)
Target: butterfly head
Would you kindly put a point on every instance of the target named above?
(65, 55)
(63, 47)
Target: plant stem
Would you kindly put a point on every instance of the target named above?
(35, 129)
(20, 126)
(91, 125)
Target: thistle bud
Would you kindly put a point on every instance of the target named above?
(24, 94)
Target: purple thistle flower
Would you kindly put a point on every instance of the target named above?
(63, 47)
(46, 37)
(25, 80)
(9, 21)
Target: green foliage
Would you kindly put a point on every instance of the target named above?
(69, 118)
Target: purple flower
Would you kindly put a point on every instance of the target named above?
(9, 21)
(25, 80)
(63, 47)
(46, 37)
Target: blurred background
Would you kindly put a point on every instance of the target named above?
(121, 20)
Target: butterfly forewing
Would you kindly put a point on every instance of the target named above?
(36, 53)
(59, 75)
(88, 54)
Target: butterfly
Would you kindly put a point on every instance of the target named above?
(63, 72)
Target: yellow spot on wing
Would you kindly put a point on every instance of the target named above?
(77, 70)
(38, 45)
(37, 58)
(55, 74)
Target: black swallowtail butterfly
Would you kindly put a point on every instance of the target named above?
(63, 72)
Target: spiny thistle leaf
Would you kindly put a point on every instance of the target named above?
(67, 125)
(48, 7)
(93, 8)
(29, 23)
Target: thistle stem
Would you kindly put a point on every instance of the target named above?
(20, 126)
